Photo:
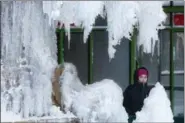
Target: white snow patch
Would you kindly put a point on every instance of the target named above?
(156, 107)
(100, 102)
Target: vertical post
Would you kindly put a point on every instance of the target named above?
(0, 26)
(159, 56)
(171, 70)
(60, 38)
(139, 60)
(132, 56)
(171, 61)
(90, 58)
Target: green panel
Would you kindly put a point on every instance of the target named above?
(175, 29)
(100, 29)
(73, 30)
(168, 9)
(60, 39)
(76, 30)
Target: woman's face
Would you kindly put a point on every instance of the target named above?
(143, 78)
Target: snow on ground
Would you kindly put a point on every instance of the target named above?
(100, 101)
(8, 116)
(122, 16)
(55, 116)
(156, 107)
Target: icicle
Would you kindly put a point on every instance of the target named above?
(121, 17)
(68, 33)
(151, 17)
(73, 12)
(87, 17)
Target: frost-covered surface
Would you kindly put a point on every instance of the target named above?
(156, 107)
(55, 116)
(147, 16)
(28, 58)
(100, 102)
(52, 8)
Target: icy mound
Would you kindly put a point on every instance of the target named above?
(100, 102)
(156, 107)
(70, 85)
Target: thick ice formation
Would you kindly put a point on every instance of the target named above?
(52, 9)
(28, 58)
(92, 102)
(96, 104)
(87, 18)
(156, 107)
(70, 85)
(150, 18)
(122, 16)
(82, 13)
